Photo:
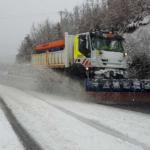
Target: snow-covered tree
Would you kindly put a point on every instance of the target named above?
(138, 47)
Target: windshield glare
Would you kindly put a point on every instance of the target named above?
(107, 44)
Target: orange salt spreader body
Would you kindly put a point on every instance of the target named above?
(50, 45)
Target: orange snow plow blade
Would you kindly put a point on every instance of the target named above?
(123, 98)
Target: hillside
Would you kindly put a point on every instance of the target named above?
(138, 48)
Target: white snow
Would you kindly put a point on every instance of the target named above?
(146, 20)
(138, 23)
(134, 124)
(8, 139)
(53, 129)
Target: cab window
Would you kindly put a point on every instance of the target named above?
(84, 45)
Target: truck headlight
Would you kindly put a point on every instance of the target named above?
(87, 69)
(125, 54)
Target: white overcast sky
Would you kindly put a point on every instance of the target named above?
(17, 17)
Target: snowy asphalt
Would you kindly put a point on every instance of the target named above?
(20, 104)
(39, 121)
(28, 142)
(98, 126)
(103, 128)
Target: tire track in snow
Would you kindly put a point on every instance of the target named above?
(99, 126)
(102, 128)
(28, 142)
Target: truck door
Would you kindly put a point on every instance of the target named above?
(84, 45)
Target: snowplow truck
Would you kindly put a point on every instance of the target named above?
(89, 52)
(100, 58)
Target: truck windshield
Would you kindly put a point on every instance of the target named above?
(107, 44)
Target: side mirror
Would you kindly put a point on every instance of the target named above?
(87, 43)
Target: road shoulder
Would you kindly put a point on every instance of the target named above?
(8, 138)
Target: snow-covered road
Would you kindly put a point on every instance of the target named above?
(59, 123)
(68, 121)
(8, 138)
